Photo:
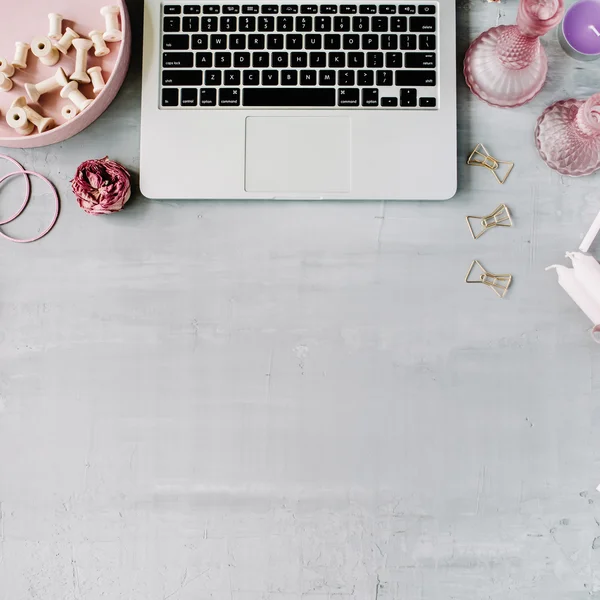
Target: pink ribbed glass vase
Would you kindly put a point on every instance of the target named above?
(568, 136)
(506, 66)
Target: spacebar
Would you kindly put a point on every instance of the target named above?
(288, 97)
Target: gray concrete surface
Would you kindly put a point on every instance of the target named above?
(303, 401)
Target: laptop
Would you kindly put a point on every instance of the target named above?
(284, 100)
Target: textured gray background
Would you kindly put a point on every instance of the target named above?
(301, 401)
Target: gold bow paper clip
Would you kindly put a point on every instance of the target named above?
(498, 283)
(480, 157)
(499, 218)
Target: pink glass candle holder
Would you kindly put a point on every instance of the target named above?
(507, 66)
(568, 136)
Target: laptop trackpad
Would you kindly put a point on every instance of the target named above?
(298, 154)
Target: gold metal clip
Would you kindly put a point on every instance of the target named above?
(498, 283)
(499, 218)
(480, 157)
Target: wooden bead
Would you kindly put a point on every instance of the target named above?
(57, 82)
(112, 31)
(20, 59)
(55, 31)
(100, 47)
(42, 48)
(82, 45)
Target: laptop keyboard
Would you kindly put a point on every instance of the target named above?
(344, 56)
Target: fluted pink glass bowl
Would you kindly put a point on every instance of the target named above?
(21, 21)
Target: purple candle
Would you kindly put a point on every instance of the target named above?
(579, 33)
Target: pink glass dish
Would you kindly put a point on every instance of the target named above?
(27, 19)
(506, 66)
(568, 136)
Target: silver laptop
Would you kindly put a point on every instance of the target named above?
(282, 100)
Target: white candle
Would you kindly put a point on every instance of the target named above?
(570, 283)
(590, 236)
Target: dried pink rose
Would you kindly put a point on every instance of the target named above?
(101, 186)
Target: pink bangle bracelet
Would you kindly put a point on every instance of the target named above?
(56, 199)
(27, 189)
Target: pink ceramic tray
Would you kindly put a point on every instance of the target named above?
(25, 19)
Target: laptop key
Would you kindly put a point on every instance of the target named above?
(351, 42)
(293, 41)
(326, 77)
(191, 24)
(176, 42)
(260, 59)
(408, 42)
(427, 41)
(229, 97)
(182, 78)
(342, 24)
(374, 60)
(247, 24)
(366, 78)
(270, 9)
(380, 24)
(422, 24)
(348, 97)
(399, 24)
(200, 42)
(366, 9)
(370, 42)
(333, 41)
(356, 60)
(389, 42)
(252, 9)
(231, 9)
(204, 60)
(360, 24)
(218, 42)
(289, 9)
(223, 59)
(251, 77)
(266, 23)
(208, 97)
(370, 97)
(275, 41)
(189, 97)
(309, 9)
(393, 60)
(178, 60)
(389, 102)
(172, 10)
(170, 97)
(427, 102)
(323, 24)
(427, 9)
(329, 9)
(308, 78)
(279, 60)
(302, 97)
(419, 60)
(415, 78)
(407, 10)
(304, 24)
(212, 77)
(313, 41)
(212, 9)
(232, 78)
(387, 9)
(209, 23)
(299, 59)
(349, 9)
(171, 24)
(285, 24)
(318, 60)
(289, 77)
(241, 60)
(256, 42)
(228, 24)
(346, 78)
(337, 60)
(237, 42)
(270, 78)
(385, 78)
(408, 97)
